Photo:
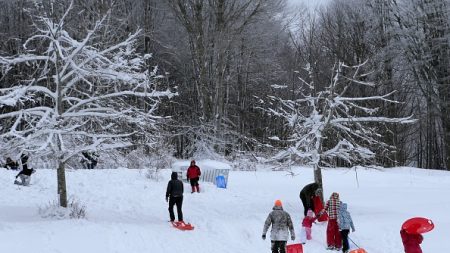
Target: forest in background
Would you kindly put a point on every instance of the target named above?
(225, 59)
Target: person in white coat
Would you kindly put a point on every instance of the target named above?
(282, 225)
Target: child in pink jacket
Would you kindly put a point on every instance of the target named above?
(306, 226)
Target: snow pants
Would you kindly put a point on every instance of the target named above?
(305, 234)
(178, 201)
(333, 234)
(194, 184)
(25, 180)
(344, 235)
(278, 247)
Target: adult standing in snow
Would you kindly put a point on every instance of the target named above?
(193, 175)
(174, 195)
(332, 207)
(307, 194)
(25, 173)
(345, 222)
(411, 242)
(281, 226)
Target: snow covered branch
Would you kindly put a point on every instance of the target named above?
(327, 124)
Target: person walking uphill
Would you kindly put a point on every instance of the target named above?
(174, 195)
(334, 241)
(281, 226)
(345, 222)
(193, 175)
(411, 242)
(306, 196)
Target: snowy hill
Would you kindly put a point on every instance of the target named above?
(127, 213)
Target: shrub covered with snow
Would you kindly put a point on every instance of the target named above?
(74, 210)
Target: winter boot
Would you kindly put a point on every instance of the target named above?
(198, 188)
(193, 189)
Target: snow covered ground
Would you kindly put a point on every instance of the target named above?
(127, 213)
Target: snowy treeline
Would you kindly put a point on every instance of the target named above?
(227, 60)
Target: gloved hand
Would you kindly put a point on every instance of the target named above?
(167, 199)
(263, 237)
(292, 237)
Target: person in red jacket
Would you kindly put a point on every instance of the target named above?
(193, 175)
(306, 226)
(411, 242)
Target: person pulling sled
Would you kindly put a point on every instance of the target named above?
(174, 195)
(281, 223)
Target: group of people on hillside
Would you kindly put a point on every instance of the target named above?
(175, 190)
(339, 225)
(25, 174)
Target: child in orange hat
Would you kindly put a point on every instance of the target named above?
(281, 224)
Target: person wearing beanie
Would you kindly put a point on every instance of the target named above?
(193, 175)
(282, 225)
(174, 195)
(306, 226)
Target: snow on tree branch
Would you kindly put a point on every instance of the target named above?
(326, 125)
(84, 87)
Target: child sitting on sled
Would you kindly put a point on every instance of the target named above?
(306, 226)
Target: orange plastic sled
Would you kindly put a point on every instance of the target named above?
(358, 251)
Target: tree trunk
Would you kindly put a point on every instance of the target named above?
(62, 190)
(318, 179)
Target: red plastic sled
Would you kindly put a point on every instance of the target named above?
(294, 248)
(318, 207)
(418, 225)
(358, 251)
(182, 226)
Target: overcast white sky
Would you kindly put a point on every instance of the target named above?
(310, 3)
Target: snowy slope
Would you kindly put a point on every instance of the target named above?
(127, 212)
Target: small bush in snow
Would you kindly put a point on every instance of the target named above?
(74, 210)
(153, 174)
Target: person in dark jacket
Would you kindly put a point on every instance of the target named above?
(174, 195)
(11, 164)
(411, 242)
(25, 173)
(281, 226)
(89, 160)
(193, 175)
(307, 194)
